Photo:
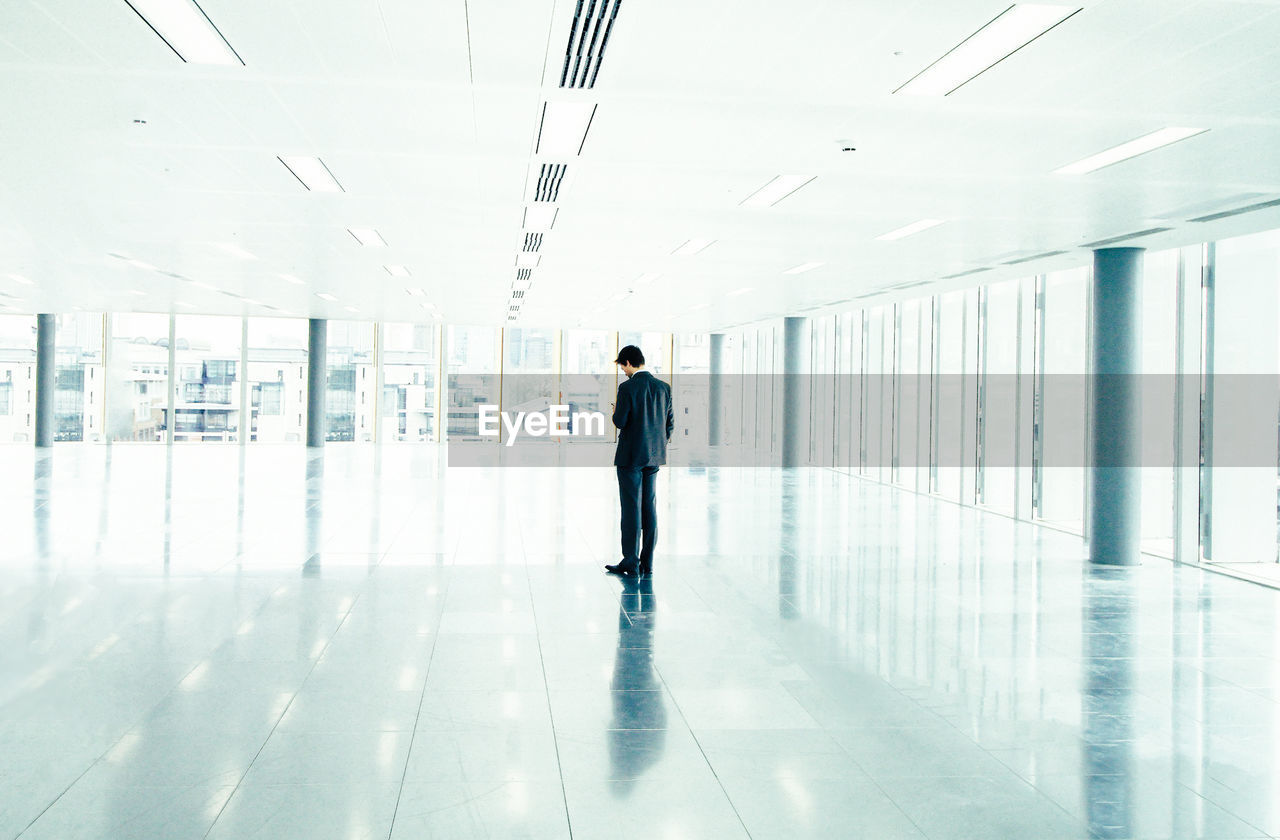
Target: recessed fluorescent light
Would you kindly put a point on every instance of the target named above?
(417, 292)
(313, 174)
(540, 217)
(776, 190)
(204, 285)
(915, 227)
(367, 237)
(184, 26)
(325, 296)
(397, 270)
(291, 279)
(137, 292)
(693, 246)
(521, 285)
(646, 279)
(235, 251)
(18, 278)
(803, 267)
(524, 260)
(564, 128)
(1012, 30)
(184, 303)
(351, 309)
(145, 266)
(737, 292)
(1144, 144)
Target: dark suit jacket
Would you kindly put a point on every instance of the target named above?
(644, 419)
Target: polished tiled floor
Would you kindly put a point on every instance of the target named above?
(209, 642)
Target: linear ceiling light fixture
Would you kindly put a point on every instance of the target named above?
(527, 260)
(397, 270)
(1010, 31)
(737, 292)
(564, 128)
(693, 246)
(417, 292)
(187, 30)
(291, 279)
(325, 296)
(803, 267)
(909, 230)
(776, 190)
(1125, 151)
(18, 278)
(540, 217)
(311, 173)
(368, 237)
(646, 279)
(521, 285)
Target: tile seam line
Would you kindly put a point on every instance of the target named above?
(266, 602)
(546, 687)
(435, 641)
(666, 688)
(283, 712)
(1243, 577)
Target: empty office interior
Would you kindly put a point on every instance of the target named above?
(968, 523)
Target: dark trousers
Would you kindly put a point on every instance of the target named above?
(637, 490)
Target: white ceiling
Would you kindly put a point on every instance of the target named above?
(428, 112)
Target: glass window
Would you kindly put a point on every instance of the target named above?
(691, 392)
(656, 347)
(17, 378)
(1063, 405)
(590, 379)
(472, 368)
(1241, 476)
(1159, 363)
(529, 369)
(349, 402)
(955, 422)
(911, 438)
(997, 406)
(277, 379)
(878, 394)
(77, 398)
(137, 380)
(410, 366)
(207, 387)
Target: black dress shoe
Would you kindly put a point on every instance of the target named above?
(646, 571)
(619, 569)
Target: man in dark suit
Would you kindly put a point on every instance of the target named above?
(644, 419)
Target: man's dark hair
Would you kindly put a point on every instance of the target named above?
(630, 355)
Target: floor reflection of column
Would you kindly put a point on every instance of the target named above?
(104, 503)
(240, 490)
(788, 545)
(168, 505)
(1108, 627)
(42, 506)
(375, 509)
(313, 513)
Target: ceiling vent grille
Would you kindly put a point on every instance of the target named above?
(517, 295)
(1043, 256)
(524, 273)
(1102, 243)
(532, 242)
(1226, 214)
(549, 181)
(588, 39)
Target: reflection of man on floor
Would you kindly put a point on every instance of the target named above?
(638, 730)
(645, 420)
